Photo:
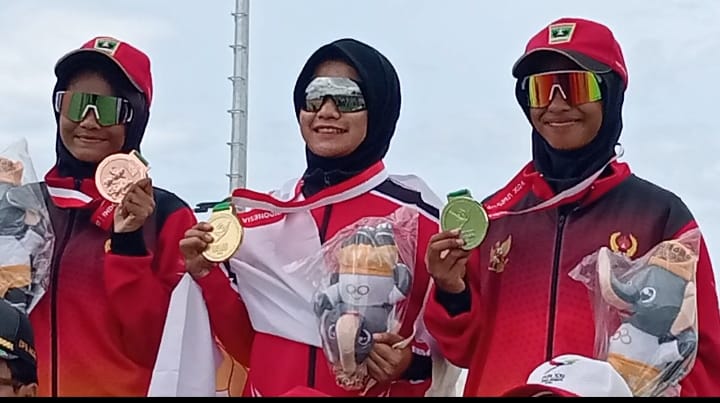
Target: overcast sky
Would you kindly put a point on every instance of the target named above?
(460, 125)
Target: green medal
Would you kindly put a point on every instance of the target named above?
(465, 213)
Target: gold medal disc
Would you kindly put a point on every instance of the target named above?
(227, 234)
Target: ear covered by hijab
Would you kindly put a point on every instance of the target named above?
(380, 85)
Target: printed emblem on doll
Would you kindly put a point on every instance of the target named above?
(622, 336)
(626, 244)
(360, 300)
(499, 255)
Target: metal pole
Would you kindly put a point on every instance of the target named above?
(238, 113)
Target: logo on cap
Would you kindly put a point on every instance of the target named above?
(109, 45)
(560, 33)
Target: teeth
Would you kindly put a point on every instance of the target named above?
(561, 124)
(328, 130)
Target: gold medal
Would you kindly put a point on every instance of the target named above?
(117, 173)
(227, 233)
(466, 214)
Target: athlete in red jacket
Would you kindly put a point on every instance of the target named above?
(347, 100)
(510, 304)
(98, 327)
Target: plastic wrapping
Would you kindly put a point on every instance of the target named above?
(646, 312)
(367, 276)
(26, 235)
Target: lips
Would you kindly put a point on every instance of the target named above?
(329, 130)
(561, 123)
(90, 139)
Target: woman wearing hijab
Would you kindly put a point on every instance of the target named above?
(347, 103)
(503, 308)
(99, 324)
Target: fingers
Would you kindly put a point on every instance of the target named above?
(138, 205)
(201, 231)
(440, 236)
(387, 338)
(382, 367)
(145, 185)
(375, 371)
(196, 239)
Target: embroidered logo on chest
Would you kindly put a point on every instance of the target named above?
(499, 255)
(623, 243)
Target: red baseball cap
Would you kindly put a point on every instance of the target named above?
(588, 43)
(131, 60)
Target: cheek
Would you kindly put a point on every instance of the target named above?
(358, 125)
(305, 122)
(118, 134)
(67, 126)
(594, 115)
(535, 118)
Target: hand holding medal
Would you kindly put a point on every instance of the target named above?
(227, 233)
(122, 179)
(212, 242)
(464, 224)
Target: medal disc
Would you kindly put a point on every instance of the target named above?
(117, 173)
(466, 214)
(227, 234)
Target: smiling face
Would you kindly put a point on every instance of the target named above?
(87, 140)
(328, 132)
(563, 126)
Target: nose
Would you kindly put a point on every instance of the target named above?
(558, 102)
(328, 109)
(89, 121)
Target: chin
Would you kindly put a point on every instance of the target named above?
(329, 152)
(89, 156)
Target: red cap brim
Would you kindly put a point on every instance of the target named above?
(524, 65)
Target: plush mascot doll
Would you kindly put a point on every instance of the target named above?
(657, 338)
(18, 240)
(360, 300)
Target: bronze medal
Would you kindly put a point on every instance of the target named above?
(227, 233)
(117, 173)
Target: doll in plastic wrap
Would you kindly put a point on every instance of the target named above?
(19, 242)
(360, 300)
(656, 343)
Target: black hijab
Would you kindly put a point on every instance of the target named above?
(563, 169)
(66, 163)
(380, 85)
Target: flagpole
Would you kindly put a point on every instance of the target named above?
(238, 112)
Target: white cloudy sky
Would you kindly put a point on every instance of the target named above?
(460, 125)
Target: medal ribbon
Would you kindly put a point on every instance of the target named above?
(64, 194)
(518, 188)
(221, 206)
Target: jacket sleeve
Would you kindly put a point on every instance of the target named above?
(229, 317)
(704, 377)
(451, 319)
(139, 283)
